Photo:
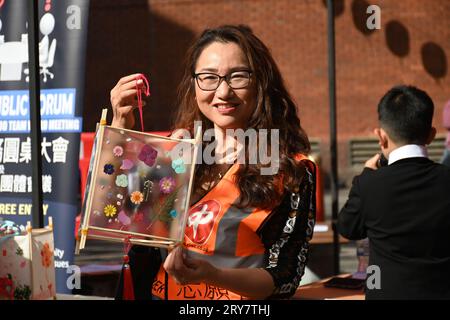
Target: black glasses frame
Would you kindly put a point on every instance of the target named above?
(226, 77)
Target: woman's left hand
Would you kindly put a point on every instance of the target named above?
(187, 270)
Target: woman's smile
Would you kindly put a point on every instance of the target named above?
(226, 108)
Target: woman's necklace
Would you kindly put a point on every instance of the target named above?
(212, 181)
(218, 175)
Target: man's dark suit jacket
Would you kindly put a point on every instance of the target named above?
(404, 210)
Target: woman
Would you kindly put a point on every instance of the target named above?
(256, 243)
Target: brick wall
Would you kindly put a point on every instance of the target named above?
(411, 47)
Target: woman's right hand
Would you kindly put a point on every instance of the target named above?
(124, 100)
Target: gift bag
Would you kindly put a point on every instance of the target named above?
(138, 188)
(27, 269)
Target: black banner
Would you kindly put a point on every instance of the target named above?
(62, 35)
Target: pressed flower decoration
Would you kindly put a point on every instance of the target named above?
(122, 180)
(123, 218)
(127, 164)
(118, 151)
(148, 186)
(137, 197)
(178, 166)
(110, 210)
(46, 255)
(167, 184)
(108, 168)
(138, 187)
(138, 217)
(148, 155)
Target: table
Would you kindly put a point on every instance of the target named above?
(317, 291)
(323, 234)
(321, 254)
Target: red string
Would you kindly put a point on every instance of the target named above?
(139, 90)
(128, 290)
(126, 245)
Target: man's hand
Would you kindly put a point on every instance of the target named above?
(372, 163)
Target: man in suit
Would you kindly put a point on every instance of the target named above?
(404, 207)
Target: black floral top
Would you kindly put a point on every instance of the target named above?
(286, 234)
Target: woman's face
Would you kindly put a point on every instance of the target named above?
(227, 108)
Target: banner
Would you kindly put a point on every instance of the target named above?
(62, 45)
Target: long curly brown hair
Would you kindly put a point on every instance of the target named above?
(275, 109)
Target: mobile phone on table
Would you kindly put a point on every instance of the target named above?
(345, 283)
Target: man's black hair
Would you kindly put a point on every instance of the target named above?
(406, 113)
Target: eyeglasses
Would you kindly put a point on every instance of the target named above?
(210, 81)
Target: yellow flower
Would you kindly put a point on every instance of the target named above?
(110, 210)
(137, 197)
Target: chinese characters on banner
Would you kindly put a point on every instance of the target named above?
(13, 150)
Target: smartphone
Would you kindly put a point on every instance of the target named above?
(345, 283)
(382, 162)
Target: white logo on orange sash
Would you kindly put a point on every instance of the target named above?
(201, 221)
(200, 217)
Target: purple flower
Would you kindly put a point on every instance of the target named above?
(167, 184)
(108, 169)
(148, 155)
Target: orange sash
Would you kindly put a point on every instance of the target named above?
(223, 235)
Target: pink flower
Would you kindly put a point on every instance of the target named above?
(126, 164)
(118, 151)
(148, 155)
(167, 184)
